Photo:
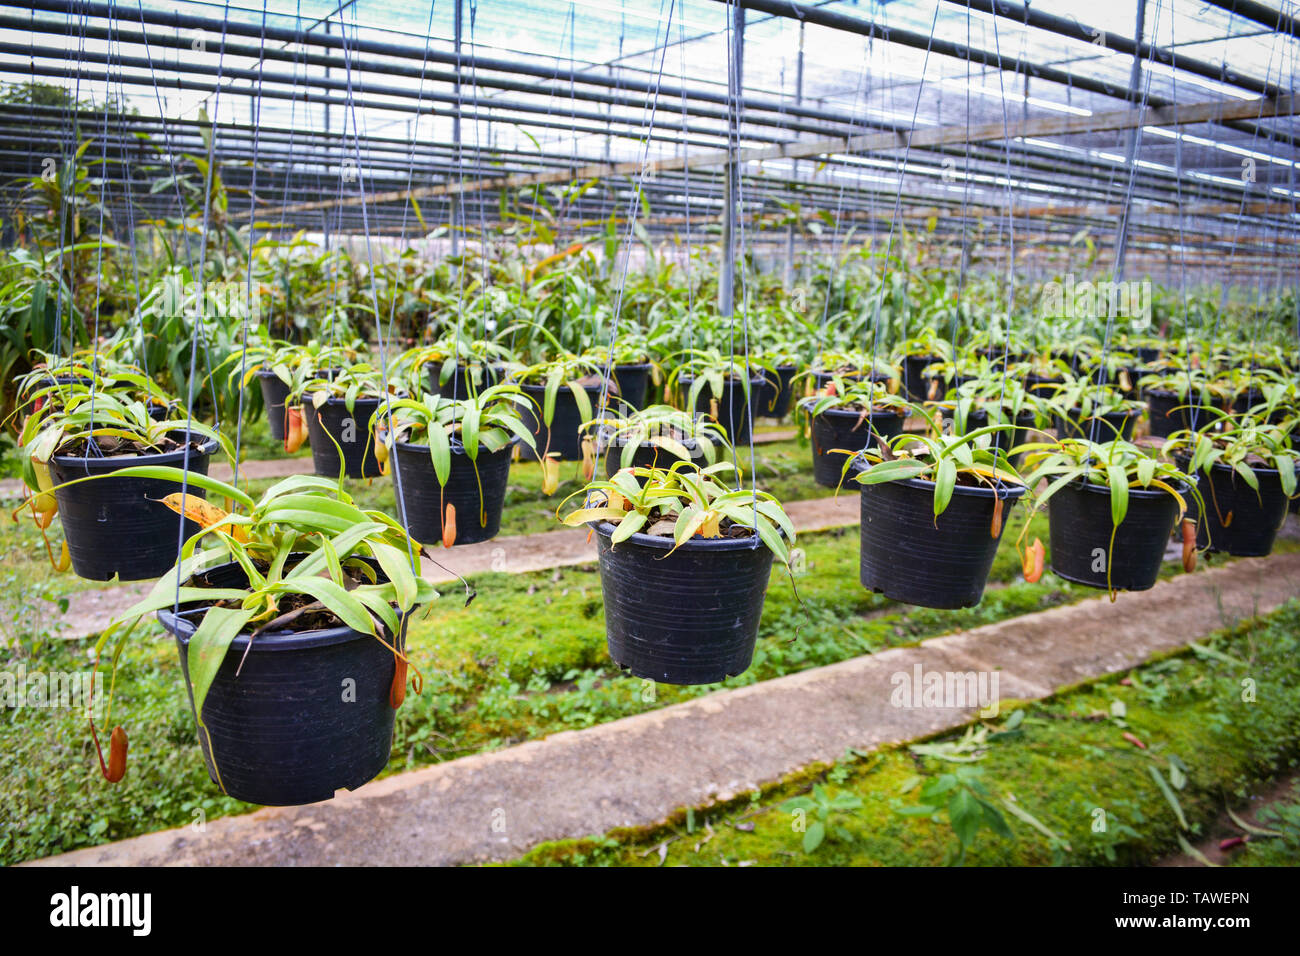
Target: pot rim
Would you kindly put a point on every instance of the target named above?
(605, 432)
(424, 449)
(1220, 466)
(1181, 486)
(808, 403)
(1011, 492)
(182, 628)
(606, 529)
(207, 447)
(564, 390)
(756, 380)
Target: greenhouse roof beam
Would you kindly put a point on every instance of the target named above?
(469, 64)
(1112, 40)
(1272, 17)
(1036, 126)
(988, 58)
(137, 37)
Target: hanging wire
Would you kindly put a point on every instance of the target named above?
(1121, 235)
(351, 111)
(196, 334)
(255, 118)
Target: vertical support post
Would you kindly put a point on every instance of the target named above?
(794, 164)
(455, 212)
(735, 83)
(327, 76)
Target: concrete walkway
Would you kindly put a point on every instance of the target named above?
(637, 770)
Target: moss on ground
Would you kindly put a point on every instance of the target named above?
(1068, 764)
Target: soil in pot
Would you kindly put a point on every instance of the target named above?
(283, 732)
(909, 555)
(1236, 520)
(478, 498)
(734, 413)
(689, 617)
(334, 423)
(1167, 417)
(1080, 532)
(562, 435)
(774, 397)
(119, 526)
(849, 429)
(274, 394)
(1101, 428)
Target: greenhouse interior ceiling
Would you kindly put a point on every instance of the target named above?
(1025, 122)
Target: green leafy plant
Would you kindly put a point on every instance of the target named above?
(968, 803)
(941, 459)
(309, 554)
(682, 502)
(664, 427)
(1241, 444)
(825, 809)
(1116, 465)
(489, 420)
(568, 371)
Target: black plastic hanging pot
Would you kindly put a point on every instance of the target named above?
(735, 413)
(914, 382)
(1167, 417)
(1080, 527)
(119, 526)
(633, 382)
(309, 713)
(274, 395)
(843, 428)
(1096, 428)
(1237, 521)
(464, 382)
(478, 499)
(334, 423)
(911, 556)
(562, 435)
(690, 617)
(774, 397)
